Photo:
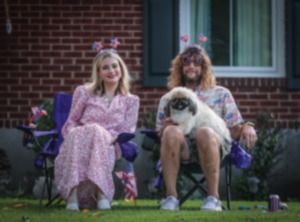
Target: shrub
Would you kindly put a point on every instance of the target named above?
(263, 159)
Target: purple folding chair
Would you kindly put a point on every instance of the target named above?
(61, 108)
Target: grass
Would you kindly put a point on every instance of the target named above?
(28, 210)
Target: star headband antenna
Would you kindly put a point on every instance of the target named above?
(201, 38)
(192, 50)
(101, 51)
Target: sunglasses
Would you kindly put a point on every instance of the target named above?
(186, 60)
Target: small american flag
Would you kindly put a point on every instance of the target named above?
(128, 180)
(37, 113)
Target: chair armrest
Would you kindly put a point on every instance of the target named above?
(129, 151)
(26, 129)
(153, 134)
(32, 131)
(124, 137)
(45, 133)
(151, 139)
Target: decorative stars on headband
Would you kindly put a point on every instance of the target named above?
(192, 53)
(97, 45)
(201, 38)
(114, 43)
(184, 38)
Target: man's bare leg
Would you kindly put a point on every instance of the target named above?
(173, 149)
(208, 145)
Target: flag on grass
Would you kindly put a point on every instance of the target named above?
(128, 180)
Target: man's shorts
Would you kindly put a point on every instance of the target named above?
(194, 153)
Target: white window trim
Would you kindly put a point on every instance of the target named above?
(278, 43)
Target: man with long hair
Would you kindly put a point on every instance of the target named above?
(193, 69)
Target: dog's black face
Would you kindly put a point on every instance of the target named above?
(180, 103)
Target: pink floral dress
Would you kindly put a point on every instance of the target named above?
(87, 157)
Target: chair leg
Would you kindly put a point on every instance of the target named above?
(42, 195)
(228, 183)
(47, 185)
(53, 199)
(48, 179)
(198, 185)
(187, 195)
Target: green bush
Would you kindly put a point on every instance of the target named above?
(263, 159)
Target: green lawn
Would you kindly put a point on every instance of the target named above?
(147, 210)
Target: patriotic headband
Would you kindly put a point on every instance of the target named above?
(202, 39)
(99, 47)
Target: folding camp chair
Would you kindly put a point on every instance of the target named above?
(237, 156)
(190, 169)
(61, 109)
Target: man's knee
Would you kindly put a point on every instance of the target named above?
(172, 134)
(207, 138)
(172, 140)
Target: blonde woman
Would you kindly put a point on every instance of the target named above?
(100, 111)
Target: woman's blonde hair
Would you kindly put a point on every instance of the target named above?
(96, 87)
(207, 79)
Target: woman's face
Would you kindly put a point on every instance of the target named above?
(110, 71)
(191, 67)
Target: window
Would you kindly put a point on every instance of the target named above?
(245, 37)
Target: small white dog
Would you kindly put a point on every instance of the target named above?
(185, 109)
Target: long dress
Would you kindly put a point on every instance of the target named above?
(87, 156)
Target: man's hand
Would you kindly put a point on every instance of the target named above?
(249, 135)
(166, 122)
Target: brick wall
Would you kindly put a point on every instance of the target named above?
(49, 50)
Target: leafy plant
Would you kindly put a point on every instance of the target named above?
(22, 189)
(263, 159)
(150, 120)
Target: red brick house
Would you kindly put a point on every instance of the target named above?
(49, 51)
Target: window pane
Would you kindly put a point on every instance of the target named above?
(239, 31)
(220, 34)
(252, 42)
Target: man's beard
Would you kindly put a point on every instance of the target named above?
(190, 80)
